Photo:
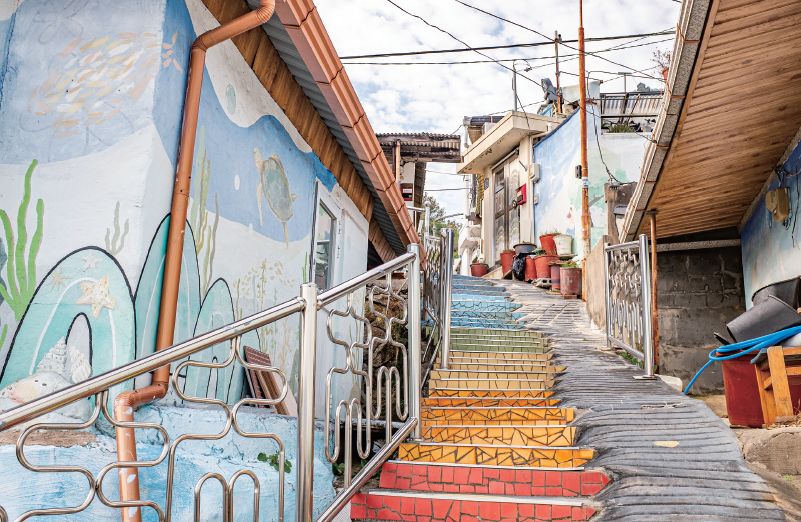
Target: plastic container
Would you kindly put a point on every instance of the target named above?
(564, 244)
(531, 269)
(543, 265)
(555, 276)
(547, 243)
(742, 392)
(478, 269)
(786, 291)
(570, 281)
(524, 248)
(507, 258)
(766, 317)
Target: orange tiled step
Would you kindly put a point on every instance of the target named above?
(487, 393)
(506, 435)
(478, 356)
(535, 456)
(485, 413)
(469, 402)
(491, 480)
(488, 384)
(480, 375)
(414, 506)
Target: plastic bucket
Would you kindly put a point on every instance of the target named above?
(531, 269)
(570, 281)
(543, 265)
(555, 271)
(478, 270)
(765, 317)
(742, 392)
(547, 243)
(564, 244)
(507, 258)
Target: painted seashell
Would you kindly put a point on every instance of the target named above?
(81, 369)
(54, 360)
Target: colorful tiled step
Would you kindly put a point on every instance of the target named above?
(486, 393)
(494, 332)
(475, 356)
(483, 348)
(535, 456)
(474, 375)
(492, 384)
(457, 507)
(507, 366)
(497, 346)
(484, 413)
(491, 480)
(468, 402)
(551, 436)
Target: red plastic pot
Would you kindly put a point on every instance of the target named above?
(548, 244)
(531, 269)
(478, 270)
(507, 258)
(570, 281)
(555, 271)
(742, 392)
(543, 265)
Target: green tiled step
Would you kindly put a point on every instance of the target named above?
(494, 332)
(477, 414)
(482, 355)
(505, 366)
(551, 436)
(499, 348)
(477, 341)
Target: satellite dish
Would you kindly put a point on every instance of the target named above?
(549, 91)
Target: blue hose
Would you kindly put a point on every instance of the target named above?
(752, 345)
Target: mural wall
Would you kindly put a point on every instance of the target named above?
(90, 116)
(771, 250)
(559, 207)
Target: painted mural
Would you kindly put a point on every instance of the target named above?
(92, 95)
(771, 250)
(609, 156)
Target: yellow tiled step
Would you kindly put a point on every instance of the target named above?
(467, 402)
(488, 455)
(491, 384)
(478, 356)
(486, 393)
(506, 366)
(477, 375)
(552, 436)
(482, 413)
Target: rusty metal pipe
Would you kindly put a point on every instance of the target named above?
(125, 402)
(585, 182)
(654, 293)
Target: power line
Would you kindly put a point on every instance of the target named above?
(544, 36)
(445, 190)
(512, 46)
(461, 42)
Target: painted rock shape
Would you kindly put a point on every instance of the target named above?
(274, 186)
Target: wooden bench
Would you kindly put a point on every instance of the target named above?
(776, 369)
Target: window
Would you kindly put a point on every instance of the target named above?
(323, 248)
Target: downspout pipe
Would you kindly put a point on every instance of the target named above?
(126, 402)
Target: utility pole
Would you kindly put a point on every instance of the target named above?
(556, 39)
(624, 75)
(585, 182)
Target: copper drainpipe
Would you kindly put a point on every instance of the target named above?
(654, 297)
(585, 182)
(125, 402)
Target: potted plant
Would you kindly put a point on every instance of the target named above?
(662, 60)
(507, 258)
(556, 268)
(564, 244)
(543, 265)
(570, 278)
(524, 248)
(479, 269)
(547, 243)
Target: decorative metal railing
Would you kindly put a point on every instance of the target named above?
(438, 287)
(628, 301)
(378, 385)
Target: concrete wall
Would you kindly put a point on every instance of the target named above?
(595, 292)
(699, 292)
(559, 190)
(90, 115)
(772, 252)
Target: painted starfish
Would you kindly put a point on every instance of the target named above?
(90, 261)
(96, 294)
(57, 278)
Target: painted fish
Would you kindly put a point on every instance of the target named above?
(274, 186)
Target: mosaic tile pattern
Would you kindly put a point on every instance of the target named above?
(512, 394)
(473, 356)
(489, 384)
(495, 455)
(482, 306)
(508, 366)
(487, 375)
(493, 481)
(466, 402)
(410, 509)
(498, 348)
(553, 436)
(491, 332)
(484, 414)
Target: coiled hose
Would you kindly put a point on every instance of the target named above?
(744, 347)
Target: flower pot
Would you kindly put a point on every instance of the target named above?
(478, 269)
(531, 269)
(665, 72)
(555, 278)
(507, 258)
(524, 248)
(564, 244)
(570, 281)
(543, 265)
(547, 243)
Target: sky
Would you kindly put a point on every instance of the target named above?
(435, 98)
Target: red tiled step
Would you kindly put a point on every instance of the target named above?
(428, 507)
(493, 481)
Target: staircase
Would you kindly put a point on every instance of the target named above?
(496, 445)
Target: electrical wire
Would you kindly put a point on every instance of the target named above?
(511, 46)
(544, 36)
(444, 190)
(461, 42)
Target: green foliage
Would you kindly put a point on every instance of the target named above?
(274, 460)
(436, 214)
(115, 245)
(571, 264)
(339, 469)
(18, 289)
(620, 128)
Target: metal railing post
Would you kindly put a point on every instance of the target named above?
(306, 368)
(608, 295)
(446, 292)
(645, 292)
(428, 218)
(415, 338)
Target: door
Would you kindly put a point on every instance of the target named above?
(506, 226)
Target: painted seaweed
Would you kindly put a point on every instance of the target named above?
(117, 242)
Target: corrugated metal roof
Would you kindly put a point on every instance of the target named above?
(290, 55)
